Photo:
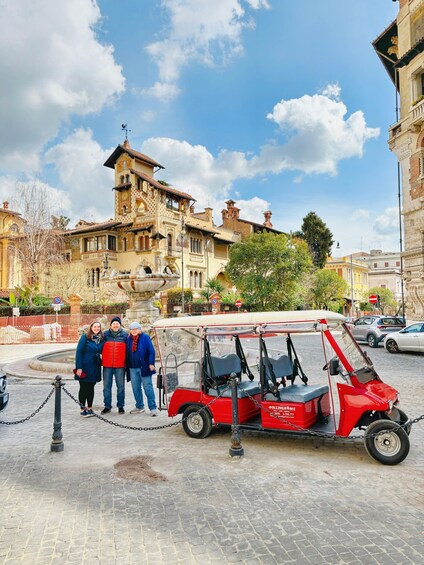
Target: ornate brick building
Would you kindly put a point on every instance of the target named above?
(401, 50)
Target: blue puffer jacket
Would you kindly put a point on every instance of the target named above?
(143, 357)
(87, 358)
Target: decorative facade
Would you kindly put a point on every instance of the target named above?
(156, 226)
(384, 271)
(11, 227)
(355, 272)
(401, 50)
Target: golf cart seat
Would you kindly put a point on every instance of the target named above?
(222, 368)
(283, 369)
(298, 393)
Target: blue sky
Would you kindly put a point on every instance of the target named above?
(276, 104)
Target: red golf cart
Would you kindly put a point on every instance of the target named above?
(264, 349)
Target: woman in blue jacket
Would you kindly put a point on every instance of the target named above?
(88, 367)
(141, 367)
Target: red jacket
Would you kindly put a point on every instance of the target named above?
(114, 349)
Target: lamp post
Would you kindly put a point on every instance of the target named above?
(182, 263)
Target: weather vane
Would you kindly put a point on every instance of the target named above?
(125, 128)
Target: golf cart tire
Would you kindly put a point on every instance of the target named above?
(197, 424)
(392, 346)
(372, 340)
(389, 448)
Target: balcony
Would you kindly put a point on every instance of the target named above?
(98, 256)
(417, 114)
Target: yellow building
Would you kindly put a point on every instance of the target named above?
(355, 273)
(11, 227)
(401, 50)
(156, 225)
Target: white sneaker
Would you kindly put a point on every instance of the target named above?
(153, 412)
(137, 411)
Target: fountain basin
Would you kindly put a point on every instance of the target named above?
(57, 362)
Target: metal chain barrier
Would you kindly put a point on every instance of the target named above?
(31, 415)
(146, 429)
(326, 434)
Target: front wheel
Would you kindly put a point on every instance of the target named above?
(197, 422)
(392, 346)
(390, 446)
(372, 341)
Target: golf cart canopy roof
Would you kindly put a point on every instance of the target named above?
(298, 320)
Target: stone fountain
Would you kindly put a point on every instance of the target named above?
(141, 287)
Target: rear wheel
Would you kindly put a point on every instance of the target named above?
(392, 346)
(389, 447)
(197, 424)
(372, 340)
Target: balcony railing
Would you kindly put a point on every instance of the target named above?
(417, 116)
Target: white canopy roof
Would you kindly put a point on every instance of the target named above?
(251, 319)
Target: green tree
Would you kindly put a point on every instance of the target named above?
(318, 237)
(212, 286)
(267, 269)
(328, 289)
(387, 302)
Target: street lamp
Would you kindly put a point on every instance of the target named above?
(183, 232)
(352, 309)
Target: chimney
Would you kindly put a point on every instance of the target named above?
(208, 214)
(5, 204)
(191, 209)
(126, 144)
(267, 221)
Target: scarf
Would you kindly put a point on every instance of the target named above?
(96, 338)
(134, 344)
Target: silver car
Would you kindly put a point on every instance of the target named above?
(373, 329)
(409, 339)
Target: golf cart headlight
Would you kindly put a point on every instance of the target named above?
(390, 405)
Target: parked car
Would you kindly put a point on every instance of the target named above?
(4, 395)
(409, 339)
(373, 329)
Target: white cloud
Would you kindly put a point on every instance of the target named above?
(162, 91)
(208, 32)
(360, 215)
(319, 133)
(52, 66)
(388, 223)
(79, 162)
(193, 169)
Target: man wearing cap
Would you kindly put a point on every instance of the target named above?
(141, 366)
(113, 361)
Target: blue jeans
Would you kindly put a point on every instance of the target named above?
(137, 381)
(108, 373)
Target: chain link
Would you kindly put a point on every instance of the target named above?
(33, 414)
(326, 434)
(147, 429)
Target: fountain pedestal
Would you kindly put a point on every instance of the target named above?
(141, 289)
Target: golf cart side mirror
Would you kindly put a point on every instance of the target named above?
(334, 366)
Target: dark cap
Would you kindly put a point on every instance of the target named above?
(116, 319)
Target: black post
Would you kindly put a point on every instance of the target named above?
(57, 443)
(236, 449)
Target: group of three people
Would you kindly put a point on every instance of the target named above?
(119, 354)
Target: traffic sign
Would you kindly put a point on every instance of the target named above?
(57, 300)
(238, 303)
(214, 301)
(373, 299)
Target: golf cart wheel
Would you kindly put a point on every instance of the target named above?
(372, 341)
(392, 346)
(197, 424)
(389, 447)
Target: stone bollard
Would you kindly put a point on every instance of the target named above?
(236, 449)
(57, 443)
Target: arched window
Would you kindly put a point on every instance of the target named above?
(169, 238)
(124, 244)
(124, 209)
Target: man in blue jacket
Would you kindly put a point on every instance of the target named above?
(141, 366)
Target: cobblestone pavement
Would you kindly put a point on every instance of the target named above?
(288, 501)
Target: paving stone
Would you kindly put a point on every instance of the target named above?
(289, 501)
